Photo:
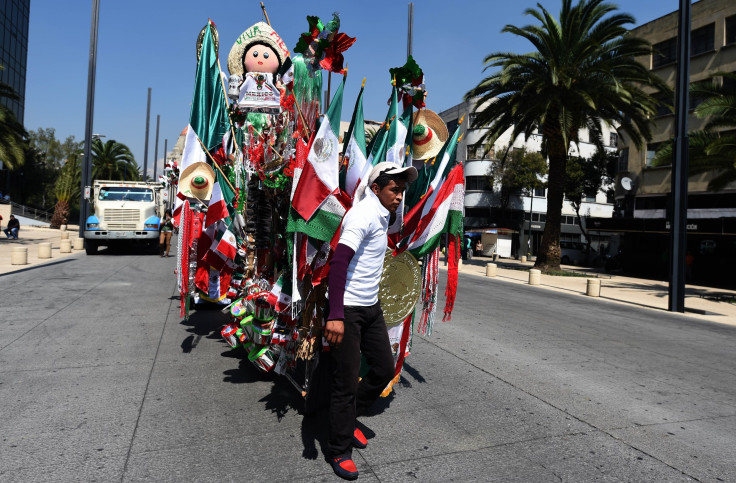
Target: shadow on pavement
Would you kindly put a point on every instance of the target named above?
(36, 266)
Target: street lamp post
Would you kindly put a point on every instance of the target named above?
(87, 161)
(678, 212)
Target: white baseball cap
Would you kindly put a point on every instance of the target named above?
(392, 168)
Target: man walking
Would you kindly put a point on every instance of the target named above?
(355, 322)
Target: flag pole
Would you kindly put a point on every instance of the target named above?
(265, 14)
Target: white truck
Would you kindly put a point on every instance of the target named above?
(124, 213)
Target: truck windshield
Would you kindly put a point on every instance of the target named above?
(119, 193)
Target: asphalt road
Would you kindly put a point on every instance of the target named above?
(100, 380)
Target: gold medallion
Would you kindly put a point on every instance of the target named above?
(400, 286)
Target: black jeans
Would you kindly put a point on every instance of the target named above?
(365, 332)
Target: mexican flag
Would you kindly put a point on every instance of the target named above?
(396, 140)
(320, 175)
(355, 150)
(441, 206)
(280, 295)
(226, 244)
(440, 212)
(222, 198)
(208, 115)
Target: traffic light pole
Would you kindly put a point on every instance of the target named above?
(87, 161)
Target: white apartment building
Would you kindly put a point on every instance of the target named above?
(525, 214)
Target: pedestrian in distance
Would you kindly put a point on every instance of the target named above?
(11, 231)
(355, 321)
(166, 229)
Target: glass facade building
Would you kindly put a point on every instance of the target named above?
(14, 15)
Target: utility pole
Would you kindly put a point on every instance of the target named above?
(148, 122)
(678, 211)
(410, 30)
(155, 149)
(87, 161)
(166, 143)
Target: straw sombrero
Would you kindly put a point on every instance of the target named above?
(260, 33)
(196, 181)
(429, 135)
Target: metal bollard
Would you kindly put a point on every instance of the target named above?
(44, 250)
(523, 259)
(491, 269)
(594, 287)
(78, 244)
(64, 235)
(19, 256)
(535, 276)
(65, 246)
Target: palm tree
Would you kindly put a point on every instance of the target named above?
(582, 75)
(712, 149)
(113, 161)
(67, 189)
(12, 133)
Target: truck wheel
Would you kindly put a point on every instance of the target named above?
(90, 247)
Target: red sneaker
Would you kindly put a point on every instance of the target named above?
(359, 440)
(344, 468)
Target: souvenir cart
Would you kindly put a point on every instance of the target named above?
(263, 186)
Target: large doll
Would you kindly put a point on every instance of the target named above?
(257, 62)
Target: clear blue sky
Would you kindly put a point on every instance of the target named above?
(152, 44)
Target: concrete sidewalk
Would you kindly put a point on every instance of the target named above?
(30, 237)
(705, 303)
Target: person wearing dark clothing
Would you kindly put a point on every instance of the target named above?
(167, 228)
(11, 231)
(355, 323)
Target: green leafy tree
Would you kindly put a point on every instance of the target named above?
(113, 161)
(67, 189)
(712, 149)
(12, 133)
(45, 157)
(586, 177)
(516, 170)
(581, 75)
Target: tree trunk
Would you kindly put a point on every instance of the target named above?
(548, 258)
(61, 214)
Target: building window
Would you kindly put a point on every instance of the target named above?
(694, 101)
(729, 83)
(731, 30)
(664, 106)
(539, 192)
(652, 149)
(701, 40)
(623, 160)
(471, 120)
(471, 152)
(613, 140)
(477, 183)
(475, 151)
(589, 199)
(664, 53)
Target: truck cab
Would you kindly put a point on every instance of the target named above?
(124, 213)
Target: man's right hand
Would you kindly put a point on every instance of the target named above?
(334, 331)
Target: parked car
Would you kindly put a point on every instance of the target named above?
(576, 253)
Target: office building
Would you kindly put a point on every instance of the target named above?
(14, 15)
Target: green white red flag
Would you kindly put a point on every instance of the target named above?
(355, 151)
(220, 201)
(320, 175)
